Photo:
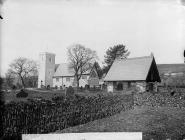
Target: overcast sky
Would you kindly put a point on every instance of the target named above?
(144, 26)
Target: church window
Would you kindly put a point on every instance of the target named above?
(50, 60)
(57, 79)
(67, 79)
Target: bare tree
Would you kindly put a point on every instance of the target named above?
(23, 68)
(80, 60)
(9, 78)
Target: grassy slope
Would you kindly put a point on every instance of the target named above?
(157, 123)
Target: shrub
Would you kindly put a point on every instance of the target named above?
(70, 93)
(58, 99)
(87, 87)
(14, 87)
(22, 94)
(48, 87)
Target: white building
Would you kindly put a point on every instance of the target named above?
(60, 75)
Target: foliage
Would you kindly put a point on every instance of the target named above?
(98, 69)
(22, 94)
(22, 68)
(70, 92)
(80, 60)
(14, 87)
(117, 51)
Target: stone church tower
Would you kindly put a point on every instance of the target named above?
(46, 69)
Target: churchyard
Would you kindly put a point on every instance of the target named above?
(158, 115)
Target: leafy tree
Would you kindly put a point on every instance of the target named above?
(117, 51)
(23, 68)
(80, 60)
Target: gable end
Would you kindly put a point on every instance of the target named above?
(153, 73)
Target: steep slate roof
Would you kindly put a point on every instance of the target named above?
(64, 70)
(131, 69)
(171, 68)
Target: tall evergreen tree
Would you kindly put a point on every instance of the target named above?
(98, 69)
(117, 51)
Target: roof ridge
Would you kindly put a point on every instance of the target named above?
(141, 57)
(133, 58)
(63, 63)
(173, 64)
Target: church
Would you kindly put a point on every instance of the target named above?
(60, 75)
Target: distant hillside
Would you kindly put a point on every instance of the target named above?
(171, 68)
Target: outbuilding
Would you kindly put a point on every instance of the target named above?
(140, 72)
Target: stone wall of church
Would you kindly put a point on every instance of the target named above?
(69, 81)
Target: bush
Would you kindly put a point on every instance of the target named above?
(14, 87)
(70, 93)
(87, 87)
(22, 94)
(48, 87)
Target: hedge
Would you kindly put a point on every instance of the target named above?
(48, 116)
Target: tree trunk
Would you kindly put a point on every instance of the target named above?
(22, 80)
(77, 84)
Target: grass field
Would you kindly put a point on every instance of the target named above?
(155, 123)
